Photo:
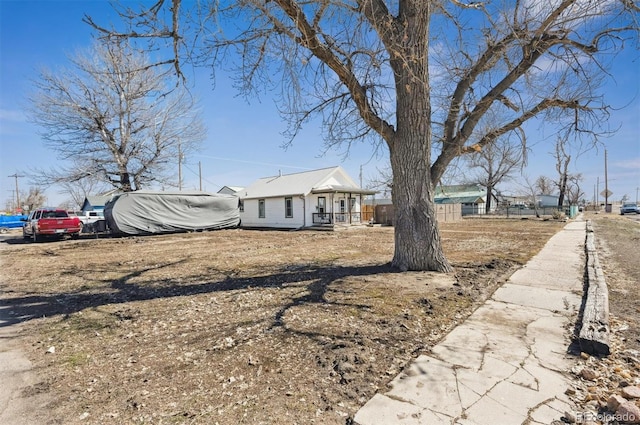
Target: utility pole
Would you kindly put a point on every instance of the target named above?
(17, 176)
(598, 194)
(200, 173)
(179, 166)
(606, 184)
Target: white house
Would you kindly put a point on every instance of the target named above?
(230, 190)
(320, 198)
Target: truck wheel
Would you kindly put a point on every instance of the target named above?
(3, 230)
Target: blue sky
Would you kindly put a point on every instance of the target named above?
(244, 140)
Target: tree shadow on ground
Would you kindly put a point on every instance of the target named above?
(316, 279)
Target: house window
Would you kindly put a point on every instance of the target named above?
(288, 207)
(261, 208)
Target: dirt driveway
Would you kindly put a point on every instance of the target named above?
(238, 326)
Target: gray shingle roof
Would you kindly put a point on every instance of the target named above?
(96, 201)
(325, 179)
(460, 200)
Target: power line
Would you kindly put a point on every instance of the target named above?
(254, 162)
(201, 178)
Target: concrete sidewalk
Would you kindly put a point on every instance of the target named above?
(21, 401)
(507, 363)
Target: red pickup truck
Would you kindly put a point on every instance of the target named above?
(50, 222)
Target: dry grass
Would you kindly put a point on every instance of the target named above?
(241, 326)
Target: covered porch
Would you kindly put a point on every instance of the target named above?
(339, 207)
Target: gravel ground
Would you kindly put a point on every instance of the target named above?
(600, 384)
(241, 326)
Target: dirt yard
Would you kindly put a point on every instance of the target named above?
(238, 326)
(618, 244)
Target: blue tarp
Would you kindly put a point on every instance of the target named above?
(11, 221)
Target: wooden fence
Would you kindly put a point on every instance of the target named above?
(383, 214)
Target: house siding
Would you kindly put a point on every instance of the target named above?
(547, 200)
(274, 213)
(303, 210)
(304, 189)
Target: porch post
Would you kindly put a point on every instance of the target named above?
(333, 215)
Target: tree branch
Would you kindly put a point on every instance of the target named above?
(309, 39)
(517, 123)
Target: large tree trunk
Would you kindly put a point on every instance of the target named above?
(487, 208)
(417, 237)
(562, 189)
(125, 181)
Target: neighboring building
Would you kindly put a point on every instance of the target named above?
(547, 201)
(382, 209)
(324, 198)
(471, 197)
(95, 203)
(231, 190)
(505, 201)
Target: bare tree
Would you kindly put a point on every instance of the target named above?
(574, 192)
(563, 159)
(530, 189)
(544, 185)
(417, 75)
(79, 189)
(34, 199)
(568, 184)
(383, 181)
(114, 117)
(495, 163)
